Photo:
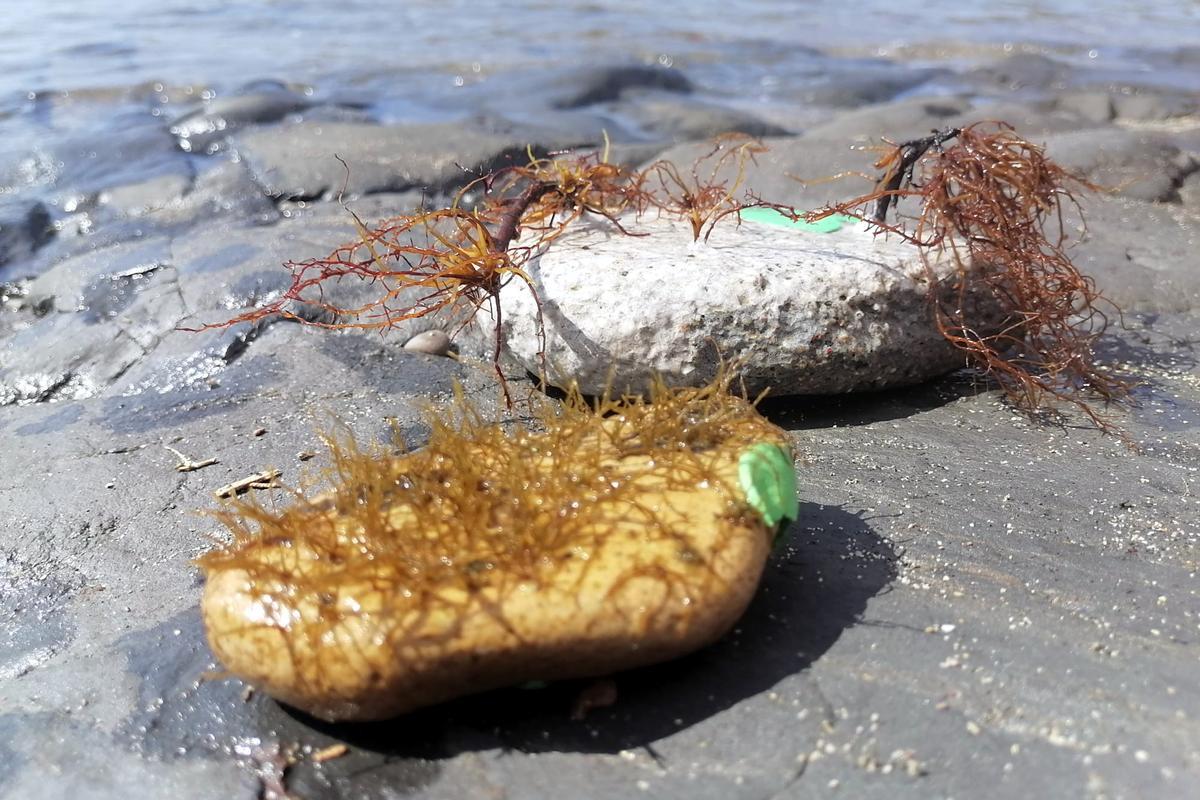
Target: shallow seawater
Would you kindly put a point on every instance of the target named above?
(88, 90)
(64, 44)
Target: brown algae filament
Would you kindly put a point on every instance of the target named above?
(618, 535)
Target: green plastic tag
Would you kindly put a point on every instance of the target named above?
(772, 217)
(769, 481)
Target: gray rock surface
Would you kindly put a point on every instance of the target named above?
(1143, 255)
(1022, 71)
(900, 120)
(299, 160)
(1093, 105)
(1138, 104)
(197, 131)
(833, 160)
(1189, 191)
(1137, 165)
(85, 164)
(971, 605)
(148, 196)
(679, 119)
(867, 83)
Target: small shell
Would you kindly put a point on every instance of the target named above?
(435, 343)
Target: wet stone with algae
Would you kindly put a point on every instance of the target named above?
(619, 534)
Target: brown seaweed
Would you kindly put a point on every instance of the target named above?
(986, 196)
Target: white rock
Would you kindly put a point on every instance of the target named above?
(433, 342)
(812, 313)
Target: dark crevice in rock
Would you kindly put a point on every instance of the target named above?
(301, 312)
(1174, 193)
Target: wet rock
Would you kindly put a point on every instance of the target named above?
(146, 197)
(903, 119)
(199, 131)
(684, 120)
(75, 355)
(605, 84)
(1142, 255)
(34, 614)
(1152, 105)
(1030, 121)
(1189, 191)
(1143, 165)
(298, 161)
(585, 127)
(23, 388)
(371, 208)
(88, 763)
(24, 227)
(169, 393)
(434, 342)
(868, 83)
(227, 268)
(128, 150)
(794, 169)
(109, 309)
(1023, 71)
(62, 417)
(109, 295)
(197, 717)
(228, 190)
(70, 279)
(377, 362)
(1094, 106)
(634, 155)
(811, 313)
(1137, 165)
(338, 113)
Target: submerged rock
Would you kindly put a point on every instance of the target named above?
(811, 313)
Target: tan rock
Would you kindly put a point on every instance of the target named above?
(632, 543)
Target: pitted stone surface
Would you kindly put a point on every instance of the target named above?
(810, 313)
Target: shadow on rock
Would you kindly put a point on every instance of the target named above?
(1149, 345)
(187, 710)
(800, 412)
(816, 586)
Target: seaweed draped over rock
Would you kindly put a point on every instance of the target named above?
(618, 534)
(986, 196)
